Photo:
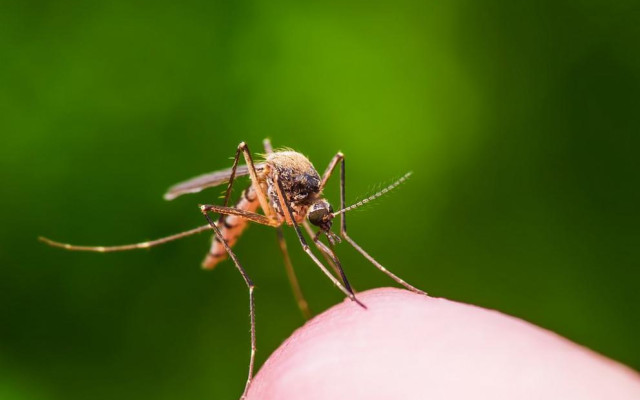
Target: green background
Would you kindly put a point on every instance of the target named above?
(519, 121)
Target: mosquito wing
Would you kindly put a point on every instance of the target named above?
(194, 185)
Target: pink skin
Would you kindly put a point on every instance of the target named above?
(407, 346)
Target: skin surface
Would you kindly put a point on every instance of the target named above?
(407, 346)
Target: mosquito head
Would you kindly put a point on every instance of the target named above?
(320, 214)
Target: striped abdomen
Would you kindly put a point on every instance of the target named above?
(231, 227)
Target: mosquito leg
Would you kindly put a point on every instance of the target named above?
(332, 165)
(381, 267)
(142, 245)
(287, 209)
(227, 193)
(250, 285)
(248, 215)
(293, 279)
(262, 197)
(343, 232)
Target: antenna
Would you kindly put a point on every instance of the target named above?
(373, 197)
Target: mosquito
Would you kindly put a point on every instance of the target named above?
(288, 190)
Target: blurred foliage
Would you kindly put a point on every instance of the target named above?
(519, 121)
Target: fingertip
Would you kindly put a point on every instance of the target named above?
(411, 346)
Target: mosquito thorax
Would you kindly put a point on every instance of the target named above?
(320, 214)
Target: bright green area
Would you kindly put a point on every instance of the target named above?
(520, 122)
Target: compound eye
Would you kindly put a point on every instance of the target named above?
(317, 215)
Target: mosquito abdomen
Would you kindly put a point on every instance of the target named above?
(231, 227)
